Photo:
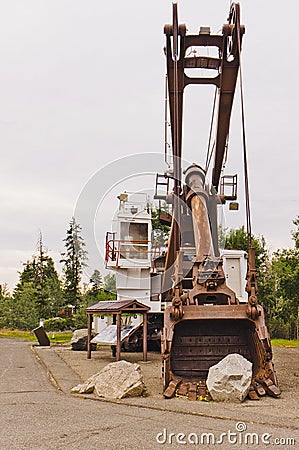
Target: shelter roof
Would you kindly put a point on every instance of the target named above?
(117, 306)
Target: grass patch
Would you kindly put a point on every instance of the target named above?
(17, 334)
(55, 337)
(59, 337)
(284, 343)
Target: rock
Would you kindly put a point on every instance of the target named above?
(119, 380)
(230, 379)
(116, 380)
(87, 387)
(79, 340)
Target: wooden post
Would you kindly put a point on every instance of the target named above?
(118, 336)
(89, 323)
(144, 336)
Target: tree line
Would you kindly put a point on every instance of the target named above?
(278, 281)
(41, 293)
(277, 274)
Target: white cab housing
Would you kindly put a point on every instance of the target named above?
(131, 236)
(235, 268)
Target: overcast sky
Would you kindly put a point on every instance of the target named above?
(82, 84)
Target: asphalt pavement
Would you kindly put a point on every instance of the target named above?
(38, 412)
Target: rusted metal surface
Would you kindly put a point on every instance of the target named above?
(204, 320)
(225, 80)
(196, 199)
(251, 285)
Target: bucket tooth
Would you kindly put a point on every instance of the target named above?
(252, 395)
(192, 392)
(202, 391)
(259, 389)
(172, 387)
(183, 389)
(271, 388)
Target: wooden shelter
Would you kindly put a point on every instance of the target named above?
(118, 307)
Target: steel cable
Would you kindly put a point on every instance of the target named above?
(247, 199)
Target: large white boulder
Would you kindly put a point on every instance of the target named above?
(230, 379)
(116, 380)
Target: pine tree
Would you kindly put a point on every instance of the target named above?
(41, 277)
(96, 281)
(4, 291)
(160, 232)
(238, 239)
(5, 306)
(295, 233)
(25, 310)
(110, 283)
(74, 259)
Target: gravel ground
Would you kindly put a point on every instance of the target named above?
(267, 410)
(286, 362)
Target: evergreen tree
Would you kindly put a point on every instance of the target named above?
(24, 309)
(238, 239)
(96, 281)
(281, 295)
(74, 259)
(282, 288)
(50, 295)
(278, 281)
(5, 306)
(110, 283)
(295, 233)
(41, 275)
(99, 291)
(4, 291)
(21, 310)
(160, 231)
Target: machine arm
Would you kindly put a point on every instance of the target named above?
(227, 65)
(230, 62)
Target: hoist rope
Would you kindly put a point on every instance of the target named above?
(176, 92)
(247, 199)
(166, 123)
(210, 150)
(210, 156)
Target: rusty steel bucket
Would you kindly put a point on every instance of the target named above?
(205, 335)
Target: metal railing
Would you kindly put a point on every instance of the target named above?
(134, 249)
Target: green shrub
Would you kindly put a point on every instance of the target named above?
(80, 320)
(278, 329)
(59, 324)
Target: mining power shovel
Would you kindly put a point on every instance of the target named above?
(204, 320)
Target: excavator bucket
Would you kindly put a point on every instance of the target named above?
(204, 336)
